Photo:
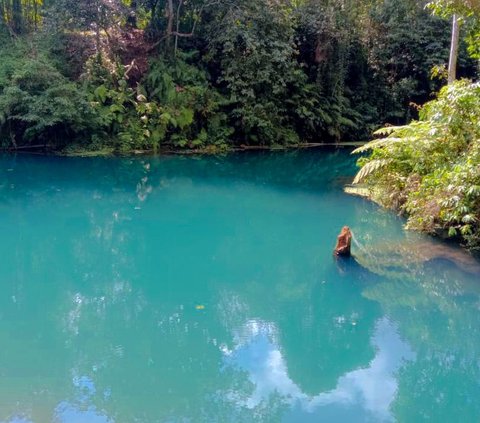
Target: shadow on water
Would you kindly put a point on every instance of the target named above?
(315, 170)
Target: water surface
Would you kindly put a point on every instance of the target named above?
(187, 289)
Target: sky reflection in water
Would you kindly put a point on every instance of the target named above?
(369, 391)
(364, 394)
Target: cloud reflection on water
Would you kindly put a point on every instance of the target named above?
(80, 410)
(363, 394)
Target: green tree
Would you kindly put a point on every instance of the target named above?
(458, 10)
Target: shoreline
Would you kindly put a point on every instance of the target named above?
(110, 152)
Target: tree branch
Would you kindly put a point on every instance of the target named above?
(183, 34)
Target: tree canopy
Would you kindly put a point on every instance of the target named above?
(147, 74)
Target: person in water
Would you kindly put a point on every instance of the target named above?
(344, 243)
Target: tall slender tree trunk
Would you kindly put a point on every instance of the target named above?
(17, 18)
(97, 12)
(178, 26)
(452, 64)
(35, 15)
(2, 13)
(170, 17)
(132, 16)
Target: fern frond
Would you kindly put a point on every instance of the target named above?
(371, 167)
(386, 131)
(380, 143)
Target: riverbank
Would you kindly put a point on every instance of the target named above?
(429, 170)
(109, 151)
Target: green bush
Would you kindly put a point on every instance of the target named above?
(430, 169)
(37, 103)
(193, 106)
(221, 73)
(175, 106)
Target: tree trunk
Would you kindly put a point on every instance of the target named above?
(170, 18)
(132, 16)
(178, 26)
(35, 15)
(17, 18)
(2, 13)
(97, 26)
(452, 64)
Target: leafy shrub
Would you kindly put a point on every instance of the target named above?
(430, 169)
(37, 103)
(175, 107)
(255, 59)
(193, 106)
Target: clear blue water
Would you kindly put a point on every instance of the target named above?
(203, 289)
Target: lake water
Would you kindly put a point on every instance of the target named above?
(203, 289)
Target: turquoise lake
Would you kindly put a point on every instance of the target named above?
(204, 289)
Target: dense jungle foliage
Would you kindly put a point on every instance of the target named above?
(122, 75)
(430, 169)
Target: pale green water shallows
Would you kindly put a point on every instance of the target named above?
(204, 290)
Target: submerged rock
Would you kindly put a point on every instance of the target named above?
(344, 243)
(400, 260)
(358, 190)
